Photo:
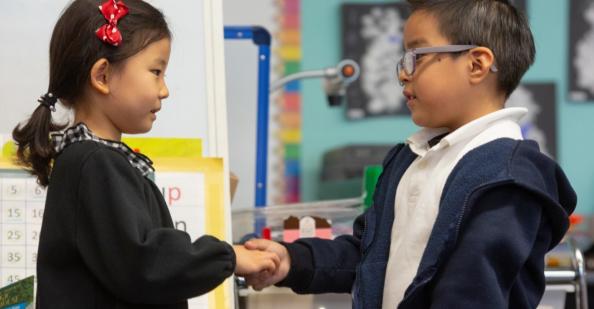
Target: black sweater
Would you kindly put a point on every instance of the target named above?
(107, 239)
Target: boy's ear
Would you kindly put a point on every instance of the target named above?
(100, 75)
(481, 61)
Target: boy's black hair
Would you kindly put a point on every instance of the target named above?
(74, 49)
(495, 24)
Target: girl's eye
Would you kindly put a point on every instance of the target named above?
(156, 72)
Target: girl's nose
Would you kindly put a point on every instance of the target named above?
(164, 93)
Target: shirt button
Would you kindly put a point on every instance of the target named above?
(413, 196)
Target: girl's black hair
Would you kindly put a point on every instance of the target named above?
(74, 48)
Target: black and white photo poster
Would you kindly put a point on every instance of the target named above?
(540, 123)
(372, 36)
(581, 50)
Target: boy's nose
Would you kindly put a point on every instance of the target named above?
(403, 77)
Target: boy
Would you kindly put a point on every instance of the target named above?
(465, 210)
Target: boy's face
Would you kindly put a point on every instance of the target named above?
(436, 90)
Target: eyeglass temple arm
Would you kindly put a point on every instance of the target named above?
(449, 48)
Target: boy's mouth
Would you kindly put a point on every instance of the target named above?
(409, 95)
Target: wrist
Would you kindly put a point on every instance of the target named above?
(299, 271)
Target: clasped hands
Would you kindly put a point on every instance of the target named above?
(262, 262)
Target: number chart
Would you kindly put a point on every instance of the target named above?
(21, 203)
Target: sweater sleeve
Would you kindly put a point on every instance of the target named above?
(498, 261)
(130, 257)
(323, 265)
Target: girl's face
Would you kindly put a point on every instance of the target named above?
(137, 88)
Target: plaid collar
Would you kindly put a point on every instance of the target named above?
(81, 132)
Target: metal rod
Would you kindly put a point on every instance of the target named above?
(560, 276)
(581, 289)
(296, 76)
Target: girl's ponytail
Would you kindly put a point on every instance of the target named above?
(35, 151)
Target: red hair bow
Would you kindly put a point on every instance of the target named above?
(112, 11)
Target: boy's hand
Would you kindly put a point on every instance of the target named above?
(252, 261)
(263, 279)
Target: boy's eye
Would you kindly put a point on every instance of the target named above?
(419, 59)
(156, 72)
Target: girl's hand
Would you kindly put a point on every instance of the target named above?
(263, 279)
(253, 261)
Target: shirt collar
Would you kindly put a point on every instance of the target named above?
(81, 132)
(418, 142)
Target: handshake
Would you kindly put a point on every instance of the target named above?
(262, 262)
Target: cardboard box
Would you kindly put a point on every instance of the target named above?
(234, 180)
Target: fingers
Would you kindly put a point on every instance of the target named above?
(268, 245)
(268, 262)
(259, 281)
(274, 263)
(257, 244)
(248, 261)
(276, 259)
(260, 286)
(264, 280)
(253, 281)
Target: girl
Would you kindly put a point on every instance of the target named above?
(107, 239)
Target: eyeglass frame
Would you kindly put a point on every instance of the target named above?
(430, 50)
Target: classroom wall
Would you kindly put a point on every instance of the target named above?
(24, 78)
(24, 74)
(325, 128)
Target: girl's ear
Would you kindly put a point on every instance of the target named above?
(100, 74)
(481, 61)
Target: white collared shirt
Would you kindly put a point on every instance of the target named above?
(419, 191)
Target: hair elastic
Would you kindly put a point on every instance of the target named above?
(48, 100)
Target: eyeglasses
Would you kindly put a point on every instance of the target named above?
(408, 62)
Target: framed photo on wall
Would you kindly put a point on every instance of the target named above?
(581, 49)
(540, 124)
(372, 36)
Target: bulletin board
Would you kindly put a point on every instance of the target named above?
(193, 182)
